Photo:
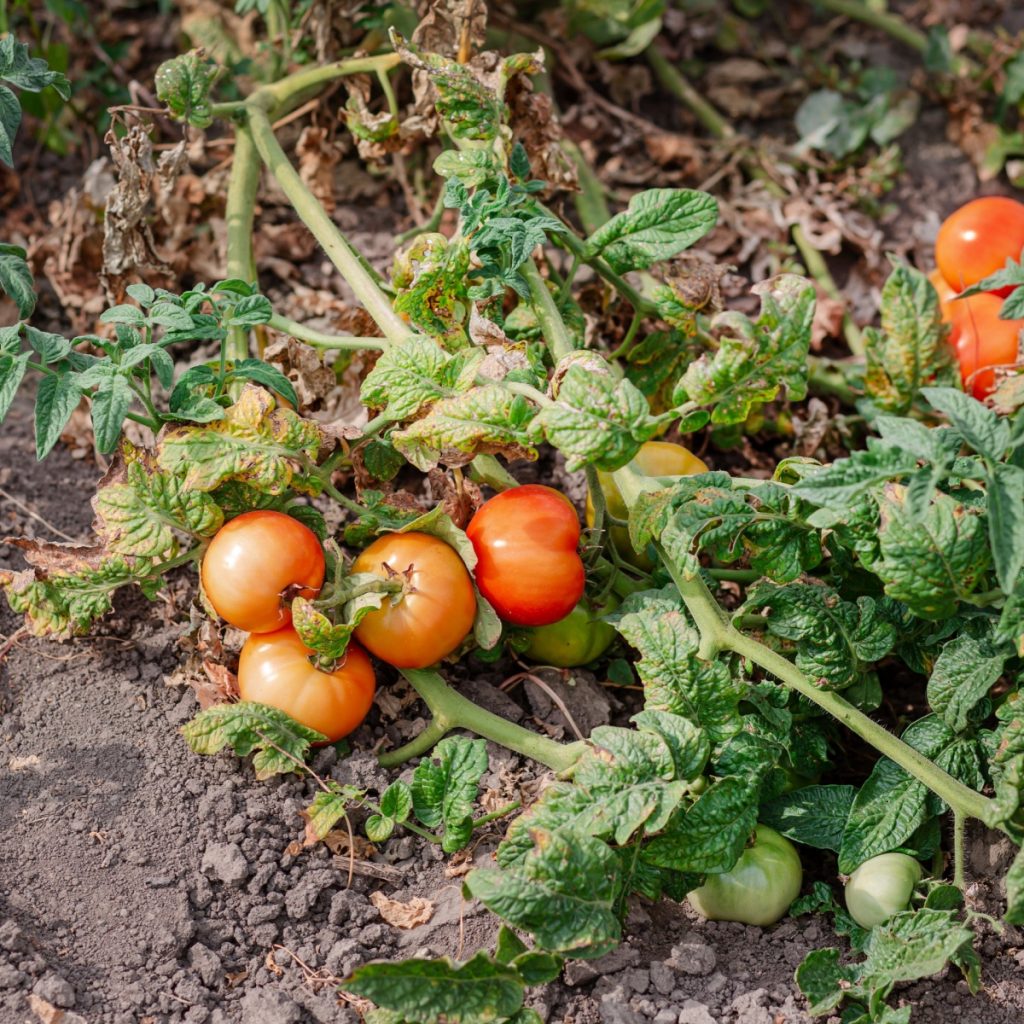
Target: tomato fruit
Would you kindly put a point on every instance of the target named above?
(527, 563)
(255, 564)
(274, 668)
(759, 888)
(983, 341)
(947, 295)
(881, 887)
(655, 458)
(978, 239)
(434, 612)
(578, 639)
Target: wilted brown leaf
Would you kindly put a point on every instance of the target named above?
(304, 367)
(403, 915)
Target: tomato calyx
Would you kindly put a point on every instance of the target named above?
(340, 593)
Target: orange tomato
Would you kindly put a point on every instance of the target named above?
(528, 568)
(977, 239)
(983, 341)
(274, 668)
(434, 613)
(947, 295)
(255, 564)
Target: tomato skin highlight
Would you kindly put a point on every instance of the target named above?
(252, 561)
(436, 612)
(578, 639)
(881, 887)
(982, 340)
(274, 669)
(528, 566)
(655, 458)
(977, 239)
(759, 888)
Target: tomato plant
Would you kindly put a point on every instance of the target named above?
(528, 567)
(432, 614)
(977, 239)
(759, 888)
(983, 340)
(881, 887)
(655, 458)
(275, 669)
(255, 564)
(578, 639)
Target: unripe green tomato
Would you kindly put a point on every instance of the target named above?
(578, 639)
(881, 887)
(759, 888)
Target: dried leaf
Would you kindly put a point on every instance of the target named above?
(403, 915)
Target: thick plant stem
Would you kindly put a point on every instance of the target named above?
(450, 710)
(818, 269)
(326, 232)
(959, 824)
(718, 634)
(552, 325)
(320, 339)
(239, 214)
(290, 92)
(672, 80)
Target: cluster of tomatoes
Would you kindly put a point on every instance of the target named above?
(528, 568)
(973, 243)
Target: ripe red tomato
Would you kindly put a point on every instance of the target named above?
(982, 340)
(434, 613)
(528, 568)
(255, 564)
(274, 668)
(977, 239)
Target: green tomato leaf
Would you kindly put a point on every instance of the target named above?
(184, 84)
(30, 73)
(16, 279)
(980, 427)
(595, 420)
(247, 727)
(487, 420)
(675, 678)
(10, 121)
(57, 397)
(963, 674)
(823, 980)
(838, 485)
(1015, 891)
(429, 991)
(755, 358)
(837, 641)
(254, 443)
(658, 224)
(269, 376)
(431, 278)
(710, 835)
(812, 816)
(110, 405)
(1006, 523)
(911, 351)
(417, 372)
(445, 785)
(12, 372)
(327, 809)
(932, 562)
(562, 892)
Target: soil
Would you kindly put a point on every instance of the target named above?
(142, 883)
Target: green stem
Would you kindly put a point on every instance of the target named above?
(486, 469)
(240, 214)
(320, 339)
(342, 499)
(825, 378)
(326, 232)
(501, 812)
(718, 634)
(734, 575)
(578, 247)
(526, 390)
(623, 350)
(959, 823)
(429, 225)
(553, 328)
(450, 710)
(673, 81)
(890, 24)
(345, 594)
(291, 91)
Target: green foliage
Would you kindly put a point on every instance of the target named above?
(279, 742)
(444, 788)
(28, 74)
(755, 358)
(911, 350)
(17, 282)
(184, 83)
